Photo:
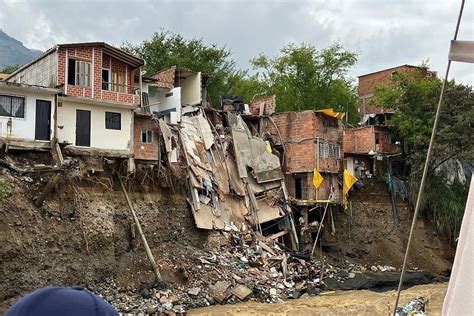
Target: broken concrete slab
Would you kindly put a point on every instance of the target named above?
(241, 292)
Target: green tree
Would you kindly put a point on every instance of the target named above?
(10, 69)
(303, 78)
(166, 49)
(414, 98)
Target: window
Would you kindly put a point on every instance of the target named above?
(118, 82)
(147, 136)
(321, 150)
(79, 73)
(12, 106)
(394, 74)
(330, 121)
(113, 120)
(334, 151)
(106, 79)
(299, 188)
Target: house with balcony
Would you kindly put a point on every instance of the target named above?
(367, 148)
(95, 106)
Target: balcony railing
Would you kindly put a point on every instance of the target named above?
(384, 148)
(117, 87)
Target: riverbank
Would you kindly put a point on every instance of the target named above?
(362, 302)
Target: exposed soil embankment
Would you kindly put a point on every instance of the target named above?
(82, 234)
(371, 237)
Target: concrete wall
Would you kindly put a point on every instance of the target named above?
(25, 127)
(101, 137)
(191, 90)
(172, 101)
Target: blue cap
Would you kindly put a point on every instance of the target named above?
(55, 300)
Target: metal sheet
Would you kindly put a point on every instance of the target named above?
(462, 51)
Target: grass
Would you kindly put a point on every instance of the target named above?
(5, 188)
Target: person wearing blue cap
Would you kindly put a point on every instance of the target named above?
(55, 300)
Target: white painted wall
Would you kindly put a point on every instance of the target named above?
(350, 166)
(42, 73)
(101, 137)
(25, 127)
(191, 90)
(167, 103)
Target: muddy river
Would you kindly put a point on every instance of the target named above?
(361, 302)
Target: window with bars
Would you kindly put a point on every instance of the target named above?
(12, 106)
(113, 120)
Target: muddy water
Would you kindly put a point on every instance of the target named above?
(361, 302)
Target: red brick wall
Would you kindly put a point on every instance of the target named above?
(368, 82)
(359, 140)
(268, 103)
(299, 131)
(166, 77)
(140, 150)
(95, 55)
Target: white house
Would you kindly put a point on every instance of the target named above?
(26, 112)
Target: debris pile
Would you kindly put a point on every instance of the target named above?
(414, 307)
(241, 265)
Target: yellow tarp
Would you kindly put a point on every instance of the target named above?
(348, 182)
(317, 178)
(330, 112)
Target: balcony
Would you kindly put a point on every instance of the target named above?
(384, 148)
(120, 93)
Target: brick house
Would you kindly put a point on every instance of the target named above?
(366, 147)
(98, 97)
(368, 82)
(306, 140)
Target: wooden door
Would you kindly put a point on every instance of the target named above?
(83, 128)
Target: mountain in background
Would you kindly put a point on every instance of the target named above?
(12, 51)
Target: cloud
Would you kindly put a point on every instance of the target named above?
(385, 33)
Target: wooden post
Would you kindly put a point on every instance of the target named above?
(317, 163)
(48, 188)
(140, 81)
(320, 225)
(140, 231)
(295, 244)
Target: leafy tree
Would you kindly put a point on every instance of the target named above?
(415, 98)
(10, 69)
(303, 78)
(166, 49)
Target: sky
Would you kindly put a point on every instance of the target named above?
(384, 33)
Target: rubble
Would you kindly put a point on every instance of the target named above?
(414, 307)
(240, 266)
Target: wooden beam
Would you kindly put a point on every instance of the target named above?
(278, 235)
(110, 153)
(140, 231)
(48, 188)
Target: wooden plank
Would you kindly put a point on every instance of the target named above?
(278, 235)
(110, 153)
